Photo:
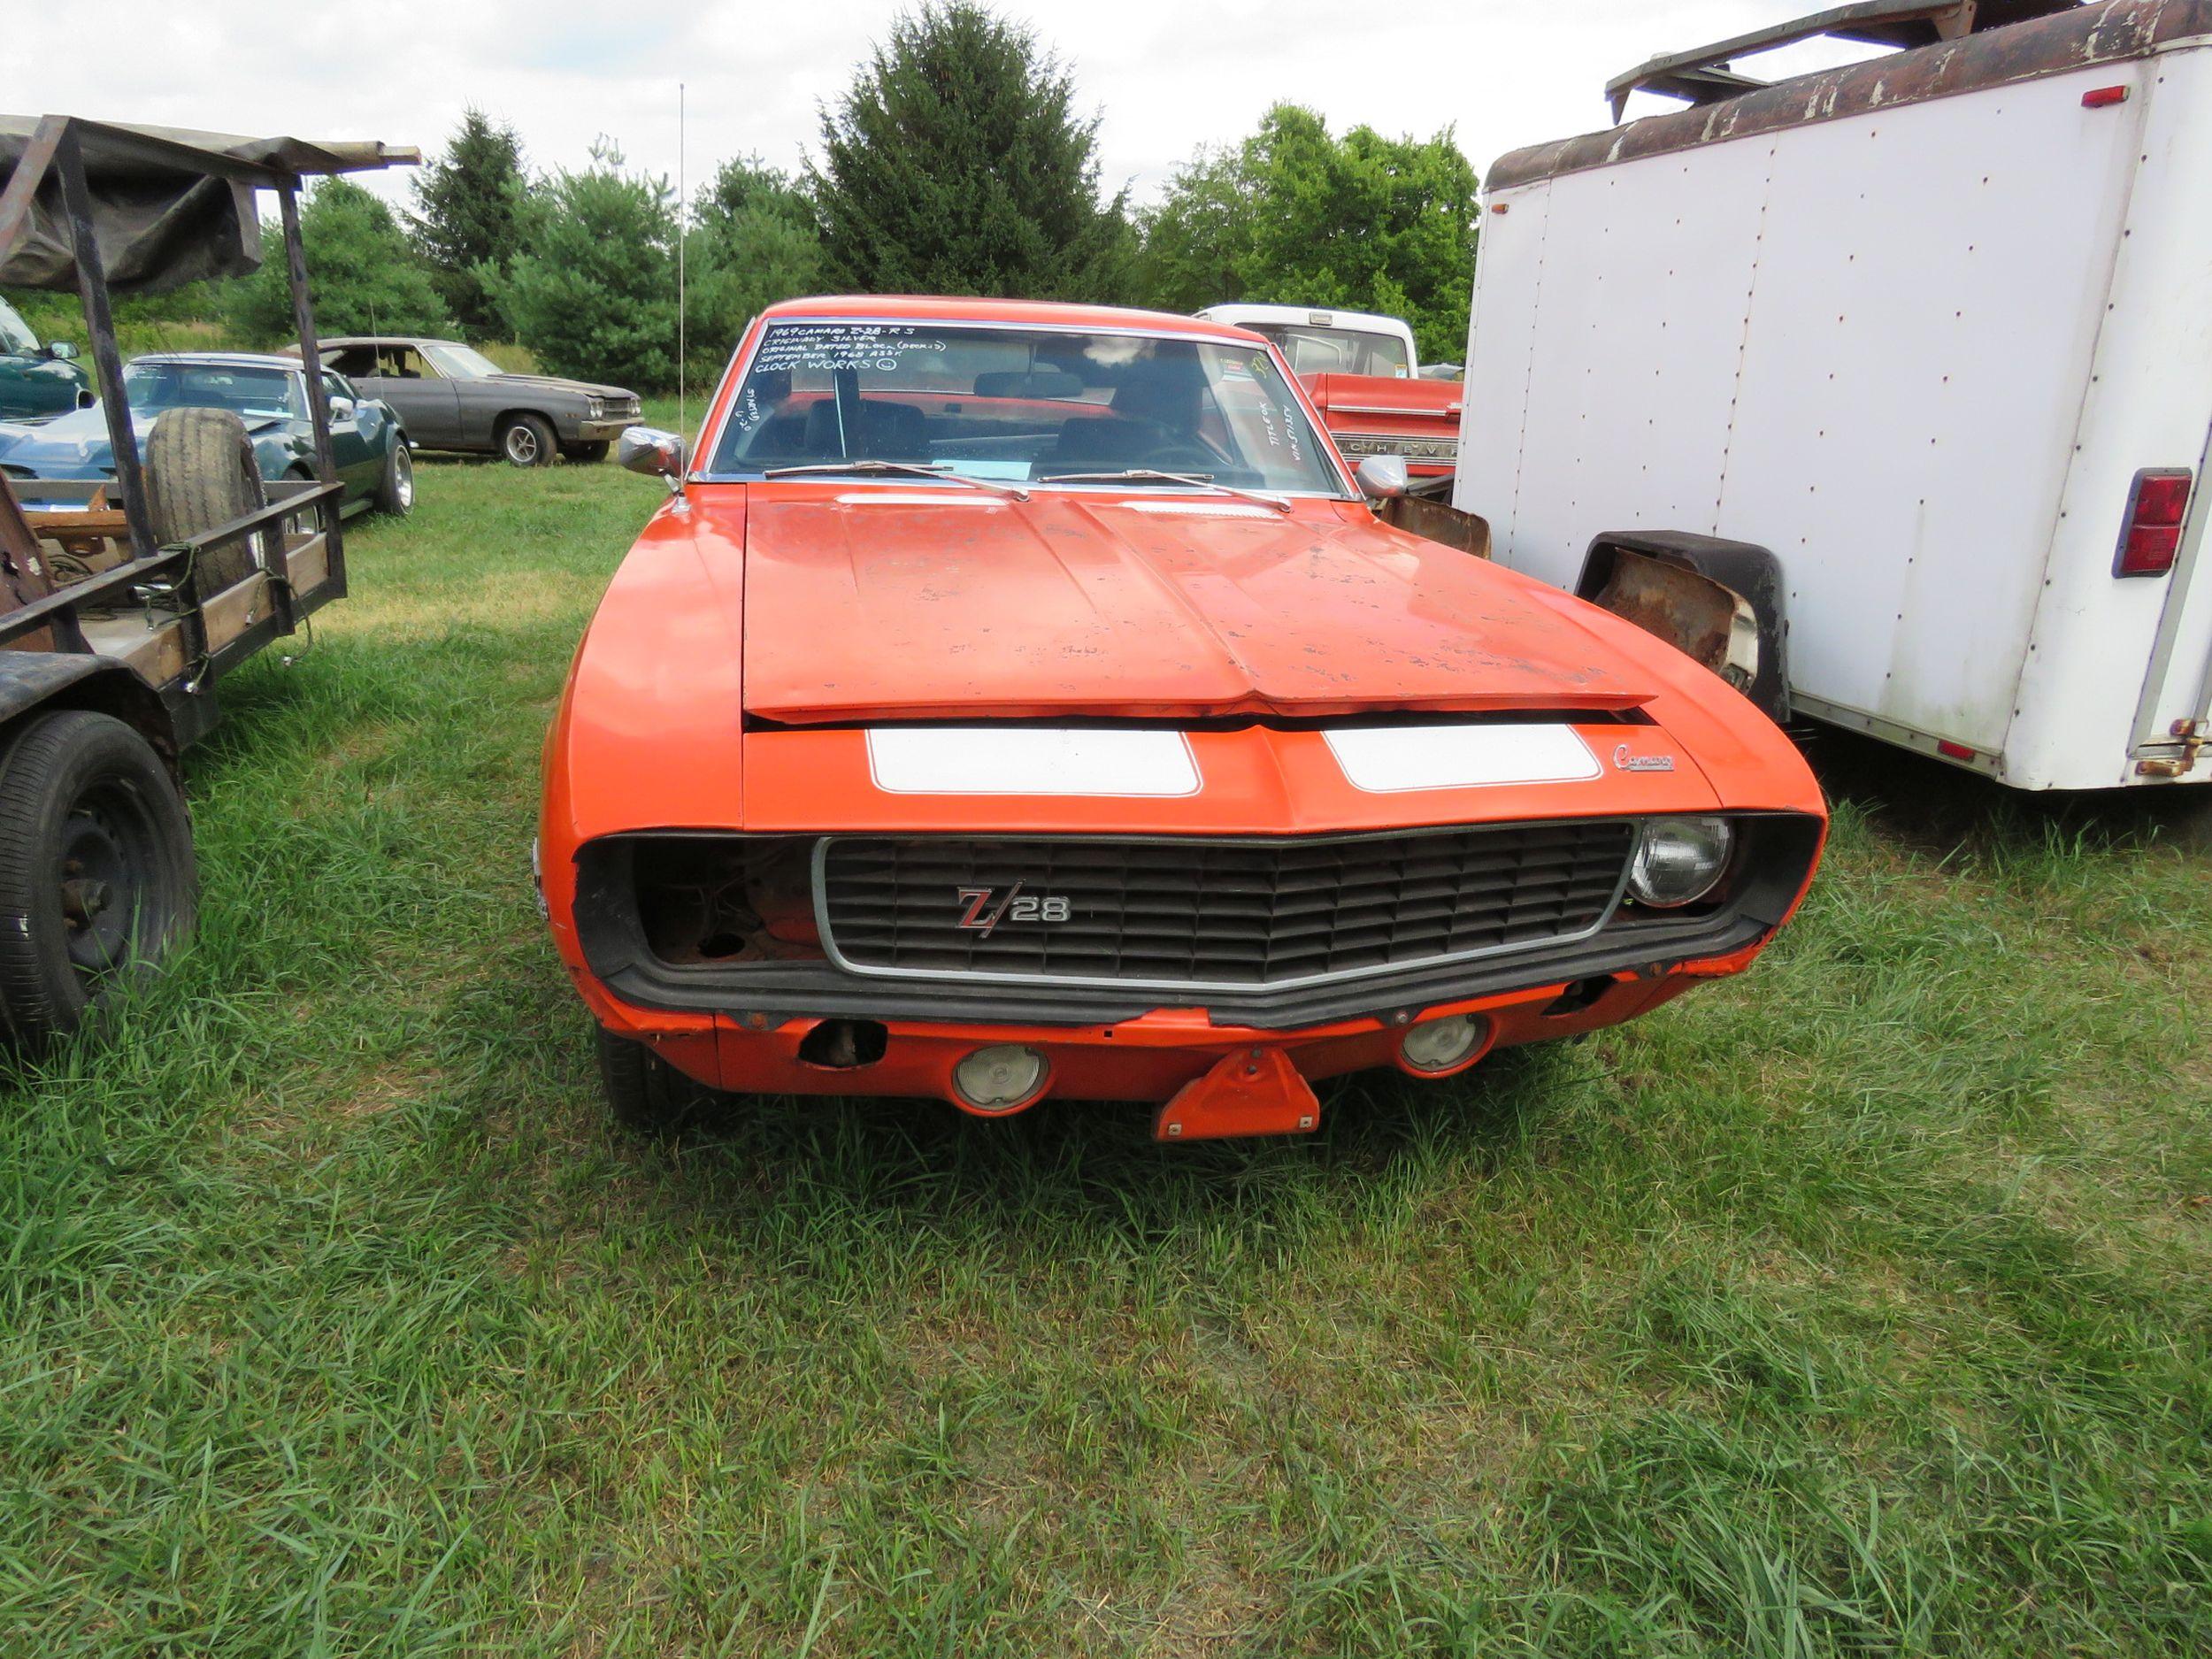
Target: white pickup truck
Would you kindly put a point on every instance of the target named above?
(1929, 335)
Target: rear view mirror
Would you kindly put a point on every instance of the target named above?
(61, 350)
(651, 451)
(1380, 477)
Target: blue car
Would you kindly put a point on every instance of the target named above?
(268, 394)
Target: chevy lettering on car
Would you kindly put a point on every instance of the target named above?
(1015, 701)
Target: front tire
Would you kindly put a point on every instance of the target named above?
(644, 1092)
(396, 491)
(527, 441)
(97, 875)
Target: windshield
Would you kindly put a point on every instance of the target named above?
(1020, 405)
(15, 336)
(462, 362)
(251, 393)
(1313, 350)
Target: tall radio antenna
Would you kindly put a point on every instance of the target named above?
(683, 213)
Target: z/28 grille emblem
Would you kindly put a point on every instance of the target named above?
(980, 916)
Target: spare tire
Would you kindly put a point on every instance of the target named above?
(201, 472)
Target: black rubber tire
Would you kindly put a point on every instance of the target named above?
(644, 1092)
(395, 490)
(85, 804)
(585, 454)
(527, 441)
(201, 472)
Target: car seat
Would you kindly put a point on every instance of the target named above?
(889, 432)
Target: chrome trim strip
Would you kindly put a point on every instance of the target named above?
(820, 884)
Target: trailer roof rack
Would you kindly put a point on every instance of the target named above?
(1705, 74)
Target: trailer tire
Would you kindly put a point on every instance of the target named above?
(527, 440)
(201, 472)
(644, 1092)
(96, 874)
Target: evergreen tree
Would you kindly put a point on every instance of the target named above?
(363, 274)
(1295, 216)
(465, 204)
(956, 164)
(593, 291)
(754, 241)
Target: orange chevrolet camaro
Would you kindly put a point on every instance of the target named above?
(1015, 701)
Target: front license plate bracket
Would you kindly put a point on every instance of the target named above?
(1253, 1091)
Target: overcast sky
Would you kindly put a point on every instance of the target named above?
(1167, 75)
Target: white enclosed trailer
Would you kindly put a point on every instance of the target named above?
(1935, 329)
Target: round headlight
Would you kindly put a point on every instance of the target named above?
(1678, 860)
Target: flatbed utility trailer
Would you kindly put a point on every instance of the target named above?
(1923, 345)
(122, 605)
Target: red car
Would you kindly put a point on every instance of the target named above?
(1016, 701)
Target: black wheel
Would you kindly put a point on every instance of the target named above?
(527, 441)
(646, 1093)
(201, 471)
(96, 879)
(395, 490)
(585, 454)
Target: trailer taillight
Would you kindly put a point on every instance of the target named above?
(2151, 533)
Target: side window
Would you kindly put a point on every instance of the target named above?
(352, 360)
(335, 387)
(407, 364)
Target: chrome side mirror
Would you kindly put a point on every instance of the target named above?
(60, 350)
(341, 409)
(1380, 477)
(652, 452)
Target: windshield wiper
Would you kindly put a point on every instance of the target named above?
(1149, 475)
(897, 469)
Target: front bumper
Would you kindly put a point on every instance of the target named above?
(603, 431)
(747, 1027)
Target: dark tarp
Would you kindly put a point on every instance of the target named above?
(170, 206)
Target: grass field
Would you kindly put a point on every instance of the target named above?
(1858, 1306)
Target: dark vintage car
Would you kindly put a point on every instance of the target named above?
(268, 394)
(37, 379)
(452, 396)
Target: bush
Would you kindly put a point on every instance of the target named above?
(363, 274)
(593, 292)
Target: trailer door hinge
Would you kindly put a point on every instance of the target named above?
(2193, 741)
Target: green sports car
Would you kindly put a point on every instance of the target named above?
(268, 394)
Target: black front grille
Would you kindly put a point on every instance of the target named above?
(1215, 912)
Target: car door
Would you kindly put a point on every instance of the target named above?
(356, 436)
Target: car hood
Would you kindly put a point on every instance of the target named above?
(932, 603)
(79, 439)
(554, 383)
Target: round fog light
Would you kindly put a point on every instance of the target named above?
(999, 1079)
(1438, 1045)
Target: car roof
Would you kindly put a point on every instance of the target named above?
(1336, 315)
(1049, 313)
(328, 341)
(222, 359)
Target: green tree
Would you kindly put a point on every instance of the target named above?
(754, 241)
(1296, 216)
(593, 291)
(956, 164)
(466, 207)
(363, 274)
